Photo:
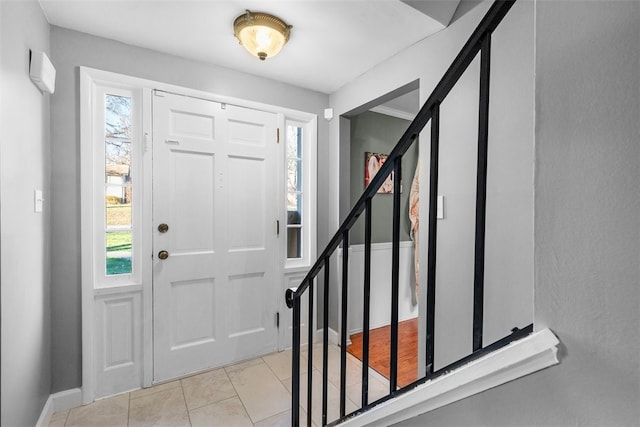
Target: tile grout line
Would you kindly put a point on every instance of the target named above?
(129, 409)
(66, 417)
(154, 386)
(238, 394)
(184, 399)
(281, 383)
(274, 372)
(347, 398)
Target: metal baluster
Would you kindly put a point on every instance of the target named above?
(295, 380)
(310, 355)
(395, 271)
(481, 192)
(367, 304)
(343, 329)
(325, 343)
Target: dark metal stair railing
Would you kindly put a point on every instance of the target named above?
(478, 42)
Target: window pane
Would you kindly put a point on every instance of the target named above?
(294, 192)
(294, 243)
(294, 175)
(292, 147)
(118, 245)
(117, 168)
(294, 208)
(118, 206)
(294, 142)
(117, 128)
(117, 117)
(118, 191)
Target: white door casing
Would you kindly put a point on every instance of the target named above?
(214, 185)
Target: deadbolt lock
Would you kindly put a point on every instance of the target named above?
(163, 254)
(163, 228)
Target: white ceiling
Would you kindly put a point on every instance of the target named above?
(332, 41)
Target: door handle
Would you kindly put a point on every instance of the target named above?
(163, 254)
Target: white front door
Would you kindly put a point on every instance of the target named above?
(214, 186)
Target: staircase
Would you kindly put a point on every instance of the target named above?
(482, 354)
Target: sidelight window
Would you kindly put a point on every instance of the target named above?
(117, 201)
(118, 190)
(295, 191)
(300, 188)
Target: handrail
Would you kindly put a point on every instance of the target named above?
(478, 42)
(459, 65)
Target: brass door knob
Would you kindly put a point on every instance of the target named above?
(163, 228)
(163, 254)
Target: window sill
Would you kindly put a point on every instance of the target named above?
(298, 268)
(117, 289)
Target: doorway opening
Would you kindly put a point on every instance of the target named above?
(369, 133)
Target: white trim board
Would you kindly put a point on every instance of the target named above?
(380, 292)
(381, 109)
(523, 357)
(58, 402)
(334, 337)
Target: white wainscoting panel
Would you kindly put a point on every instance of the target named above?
(380, 314)
(292, 280)
(118, 343)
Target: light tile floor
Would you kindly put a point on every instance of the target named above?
(253, 393)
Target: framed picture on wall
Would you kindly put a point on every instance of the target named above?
(372, 164)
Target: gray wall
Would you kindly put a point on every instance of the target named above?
(71, 49)
(379, 133)
(587, 232)
(508, 276)
(24, 235)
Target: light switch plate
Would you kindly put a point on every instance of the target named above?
(440, 208)
(38, 201)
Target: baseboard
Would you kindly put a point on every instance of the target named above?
(58, 402)
(47, 412)
(334, 338)
(379, 325)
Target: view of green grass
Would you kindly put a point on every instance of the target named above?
(118, 266)
(120, 242)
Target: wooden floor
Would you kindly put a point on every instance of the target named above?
(379, 358)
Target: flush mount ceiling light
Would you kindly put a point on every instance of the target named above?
(263, 35)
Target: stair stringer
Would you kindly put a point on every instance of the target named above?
(517, 359)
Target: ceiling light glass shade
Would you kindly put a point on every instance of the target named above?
(263, 35)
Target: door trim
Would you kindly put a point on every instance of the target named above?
(89, 77)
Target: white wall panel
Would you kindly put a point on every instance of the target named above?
(118, 342)
(380, 285)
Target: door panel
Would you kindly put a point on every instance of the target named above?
(187, 124)
(214, 185)
(193, 175)
(192, 313)
(251, 252)
(252, 321)
(247, 205)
